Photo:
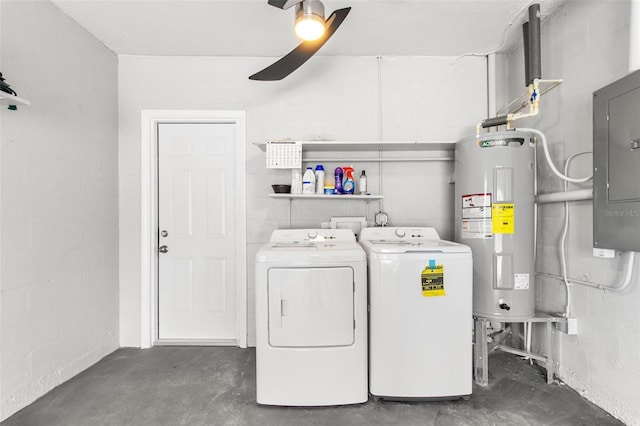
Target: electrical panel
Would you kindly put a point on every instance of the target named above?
(616, 165)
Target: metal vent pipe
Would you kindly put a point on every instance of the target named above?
(525, 38)
(532, 49)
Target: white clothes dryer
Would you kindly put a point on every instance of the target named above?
(311, 319)
(420, 319)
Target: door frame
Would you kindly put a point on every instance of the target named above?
(149, 214)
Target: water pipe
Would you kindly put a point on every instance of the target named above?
(545, 148)
(557, 197)
(634, 36)
(534, 108)
(621, 285)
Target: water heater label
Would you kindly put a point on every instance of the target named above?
(521, 281)
(476, 200)
(476, 216)
(502, 218)
(432, 280)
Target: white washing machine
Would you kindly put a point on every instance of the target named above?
(311, 319)
(420, 319)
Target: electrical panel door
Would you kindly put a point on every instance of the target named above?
(616, 163)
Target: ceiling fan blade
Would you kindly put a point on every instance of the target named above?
(283, 4)
(305, 50)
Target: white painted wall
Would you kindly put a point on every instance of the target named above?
(586, 44)
(58, 205)
(334, 98)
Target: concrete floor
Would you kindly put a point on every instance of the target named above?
(216, 386)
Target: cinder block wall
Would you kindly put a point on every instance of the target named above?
(58, 203)
(586, 44)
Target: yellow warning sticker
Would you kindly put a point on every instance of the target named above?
(502, 218)
(432, 280)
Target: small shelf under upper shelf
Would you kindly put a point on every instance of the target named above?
(9, 99)
(327, 197)
(371, 145)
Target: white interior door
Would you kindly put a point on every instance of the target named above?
(197, 221)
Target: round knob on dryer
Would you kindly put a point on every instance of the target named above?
(312, 235)
(400, 233)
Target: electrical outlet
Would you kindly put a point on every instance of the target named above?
(569, 326)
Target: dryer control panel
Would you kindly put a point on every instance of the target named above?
(312, 235)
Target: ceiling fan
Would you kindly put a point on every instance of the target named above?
(314, 30)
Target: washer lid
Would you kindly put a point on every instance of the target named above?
(440, 246)
(407, 239)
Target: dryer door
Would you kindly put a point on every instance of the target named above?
(311, 307)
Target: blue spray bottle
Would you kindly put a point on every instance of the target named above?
(349, 185)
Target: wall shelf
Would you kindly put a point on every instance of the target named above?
(6, 98)
(342, 197)
(371, 145)
(412, 159)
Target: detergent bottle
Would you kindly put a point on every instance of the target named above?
(309, 182)
(349, 185)
(337, 174)
(296, 181)
(329, 184)
(319, 179)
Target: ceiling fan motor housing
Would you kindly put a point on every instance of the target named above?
(310, 8)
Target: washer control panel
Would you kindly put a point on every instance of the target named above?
(399, 234)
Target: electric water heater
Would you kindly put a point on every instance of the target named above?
(494, 215)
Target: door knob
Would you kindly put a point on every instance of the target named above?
(164, 233)
(163, 249)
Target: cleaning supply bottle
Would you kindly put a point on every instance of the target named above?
(337, 174)
(308, 182)
(329, 184)
(349, 185)
(296, 181)
(362, 184)
(319, 179)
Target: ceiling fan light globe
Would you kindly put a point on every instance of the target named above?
(309, 28)
(309, 23)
